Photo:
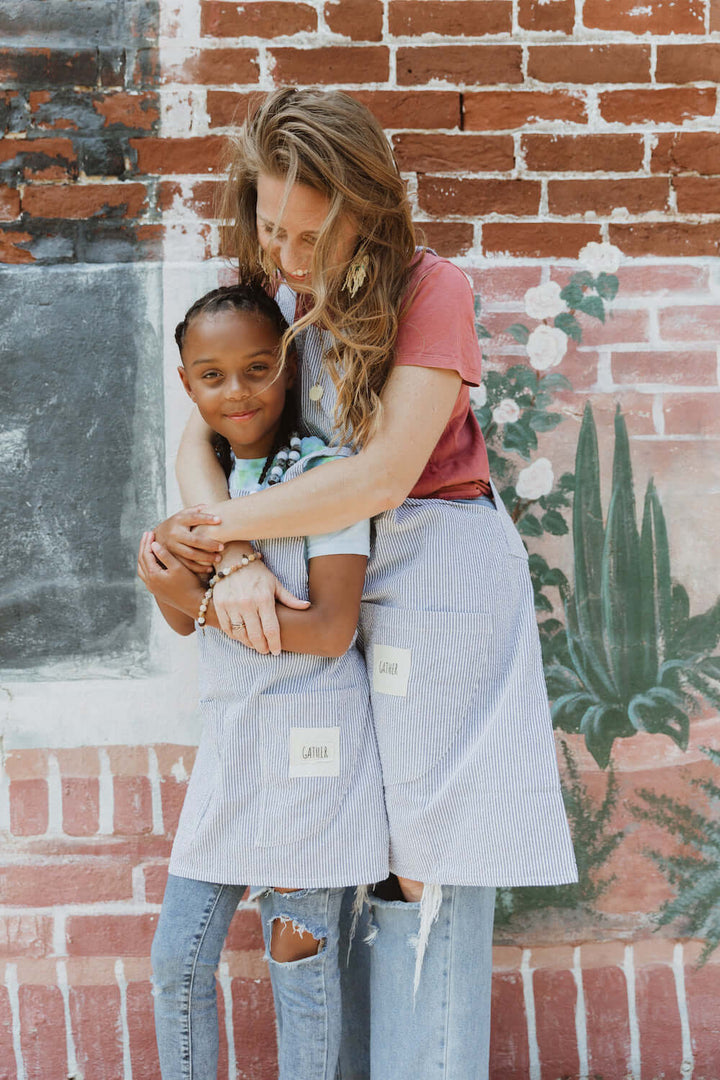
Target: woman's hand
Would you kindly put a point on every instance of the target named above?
(165, 576)
(178, 535)
(245, 607)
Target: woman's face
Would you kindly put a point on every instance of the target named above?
(289, 232)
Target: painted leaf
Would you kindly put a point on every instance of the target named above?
(569, 325)
(607, 286)
(572, 294)
(554, 523)
(542, 421)
(519, 332)
(593, 306)
(529, 525)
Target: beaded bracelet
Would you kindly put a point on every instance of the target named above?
(218, 576)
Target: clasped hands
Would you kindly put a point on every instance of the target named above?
(175, 561)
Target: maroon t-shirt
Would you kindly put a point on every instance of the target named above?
(437, 330)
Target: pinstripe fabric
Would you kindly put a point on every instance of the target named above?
(244, 818)
(467, 750)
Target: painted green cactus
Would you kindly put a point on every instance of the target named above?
(631, 657)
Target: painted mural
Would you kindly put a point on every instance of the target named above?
(633, 674)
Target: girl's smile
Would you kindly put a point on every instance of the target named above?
(231, 371)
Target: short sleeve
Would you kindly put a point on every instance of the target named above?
(437, 329)
(354, 540)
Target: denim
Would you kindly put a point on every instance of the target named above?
(307, 994)
(443, 1031)
(190, 934)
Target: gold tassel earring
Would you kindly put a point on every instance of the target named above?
(356, 274)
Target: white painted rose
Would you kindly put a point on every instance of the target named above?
(600, 258)
(546, 347)
(506, 412)
(478, 396)
(536, 480)
(544, 301)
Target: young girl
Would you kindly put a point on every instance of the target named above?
(388, 350)
(287, 768)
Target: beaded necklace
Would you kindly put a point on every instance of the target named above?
(283, 459)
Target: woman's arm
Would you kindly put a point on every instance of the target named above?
(198, 471)
(417, 405)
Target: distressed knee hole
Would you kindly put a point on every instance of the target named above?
(289, 941)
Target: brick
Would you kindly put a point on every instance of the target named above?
(266, 20)
(42, 1031)
(194, 198)
(714, 15)
(25, 935)
(40, 159)
(672, 368)
(97, 1030)
(687, 151)
(702, 987)
(9, 203)
(10, 249)
(669, 106)
(694, 63)
(48, 67)
(133, 805)
(8, 1070)
(227, 108)
(28, 807)
(214, 67)
(603, 196)
(85, 200)
(155, 875)
(146, 68)
(449, 238)
(78, 761)
(671, 238)
(512, 109)
(454, 153)
(589, 63)
(503, 283)
(471, 197)
(658, 1021)
(254, 1015)
(110, 935)
(697, 194)
(111, 67)
(61, 110)
(663, 280)
(537, 239)
(621, 325)
(555, 996)
(466, 65)
(453, 18)
(335, 65)
(558, 16)
(660, 17)
(75, 880)
(412, 109)
(245, 932)
(102, 157)
(141, 1032)
(583, 153)
(360, 20)
(608, 1025)
(139, 112)
(26, 764)
(692, 414)
(81, 805)
(172, 794)
(162, 156)
(509, 1058)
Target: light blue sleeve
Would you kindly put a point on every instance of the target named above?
(354, 540)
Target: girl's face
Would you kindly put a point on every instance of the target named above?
(231, 371)
(288, 232)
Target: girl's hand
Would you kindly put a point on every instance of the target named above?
(245, 607)
(165, 576)
(178, 536)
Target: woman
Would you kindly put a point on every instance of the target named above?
(388, 350)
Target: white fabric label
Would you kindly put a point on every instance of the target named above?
(391, 670)
(314, 751)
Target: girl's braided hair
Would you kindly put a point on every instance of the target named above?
(254, 300)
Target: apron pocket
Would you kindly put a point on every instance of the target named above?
(424, 669)
(309, 746)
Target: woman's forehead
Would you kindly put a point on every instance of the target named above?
(298, 207)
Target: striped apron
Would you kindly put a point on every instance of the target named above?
(458, 694)
(286, 788)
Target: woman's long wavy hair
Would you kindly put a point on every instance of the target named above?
(330, 142)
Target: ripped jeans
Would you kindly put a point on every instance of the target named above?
(440, 1032)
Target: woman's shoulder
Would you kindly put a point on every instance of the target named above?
(430, 273)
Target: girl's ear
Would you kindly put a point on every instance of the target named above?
(291, 368)
(186, 382)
